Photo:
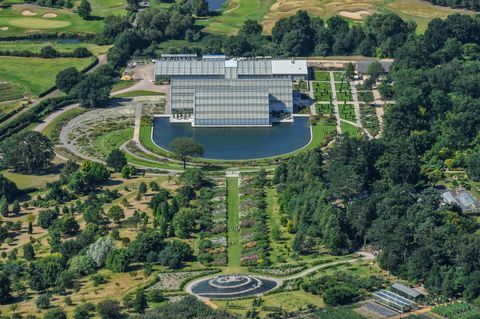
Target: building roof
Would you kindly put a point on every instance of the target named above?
(406, 290)
(293, 67)
(362, 66)
(218, 66)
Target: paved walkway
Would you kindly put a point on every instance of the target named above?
(356, 104)
(49, 119)
(335, 102)
(379, 104)
(145, 74)
(311, 94)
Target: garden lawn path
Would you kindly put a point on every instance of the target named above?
(233, 222)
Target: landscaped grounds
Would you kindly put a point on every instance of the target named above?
(35, 75)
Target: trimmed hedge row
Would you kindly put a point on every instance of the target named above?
(35, 113)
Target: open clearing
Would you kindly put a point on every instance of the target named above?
(36, 75)
(419, 11)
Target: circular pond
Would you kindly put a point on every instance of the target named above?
(243, 143)
(232, 286)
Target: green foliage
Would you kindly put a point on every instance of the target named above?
(83, 311)
(118, 260)
(84, 10)
(55, 313)
(5, 288)
(4, 206)
(140, 301)
(99, 250)
(184, 222)
(109, 309)
(7, 188)
(67, 79)
(184, 147)
(28, 252)
(116, 213)
(27, 152)
(117, 160)
(43, 301)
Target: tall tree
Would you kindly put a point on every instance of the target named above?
(27, 152)
(84, 10)
(185, 147)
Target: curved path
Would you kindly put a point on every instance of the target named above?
(280, 281)
(49, 119)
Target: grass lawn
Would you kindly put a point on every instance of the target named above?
(28, 181)
(338, 76)
(290, 301)
(235, 14)
(103, 8)
(138, 93)
(322, 91)
(52, 130)
(369, 119)
(349, 129)
(35, 46)
(123, 85)
(65, 21)
(36, 75)
(8, 92)
(342, 86)
(233, 222)
(347, 112)
(107, 142)
(321, 75)
(421, 12)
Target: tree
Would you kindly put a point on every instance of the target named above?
(48, 52)
(93, 90)
(116, 213)
(99, 250)
(5, 289)
(473, 166)
(154, 186)
(68, 225)
(83, 311)
(7, 188)
(55, 313)
(374, 70)
(251, 27)
(118, 260)
(109, 309)
(27, 152)
(140, 301)
(3, 206)
(28, 252)
(116, 160)
(46, 218)
(16, 207)
(185, 147)
(67, 79)
(200, 8)
(349, 70)
(84, 10)
(142, 188)
(184, 222)
(30, 228)
(43, 301)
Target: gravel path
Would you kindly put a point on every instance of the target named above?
(335, 102)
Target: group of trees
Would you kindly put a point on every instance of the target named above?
(466, 4)
(380, 191)
(48, 52)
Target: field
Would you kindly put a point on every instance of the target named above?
(350, 130)
(28, 181)
(65, 21)
(36, 75)
(103, 8)
(418, 11)
(9, 92)
(235, 14)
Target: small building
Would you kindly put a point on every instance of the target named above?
(406, 291)
(463, 199)
(393, 301)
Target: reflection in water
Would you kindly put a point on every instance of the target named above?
(238, 143)
(215, 4)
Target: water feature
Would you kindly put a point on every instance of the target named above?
(237, 143)
(232, 286)
(214, 5)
